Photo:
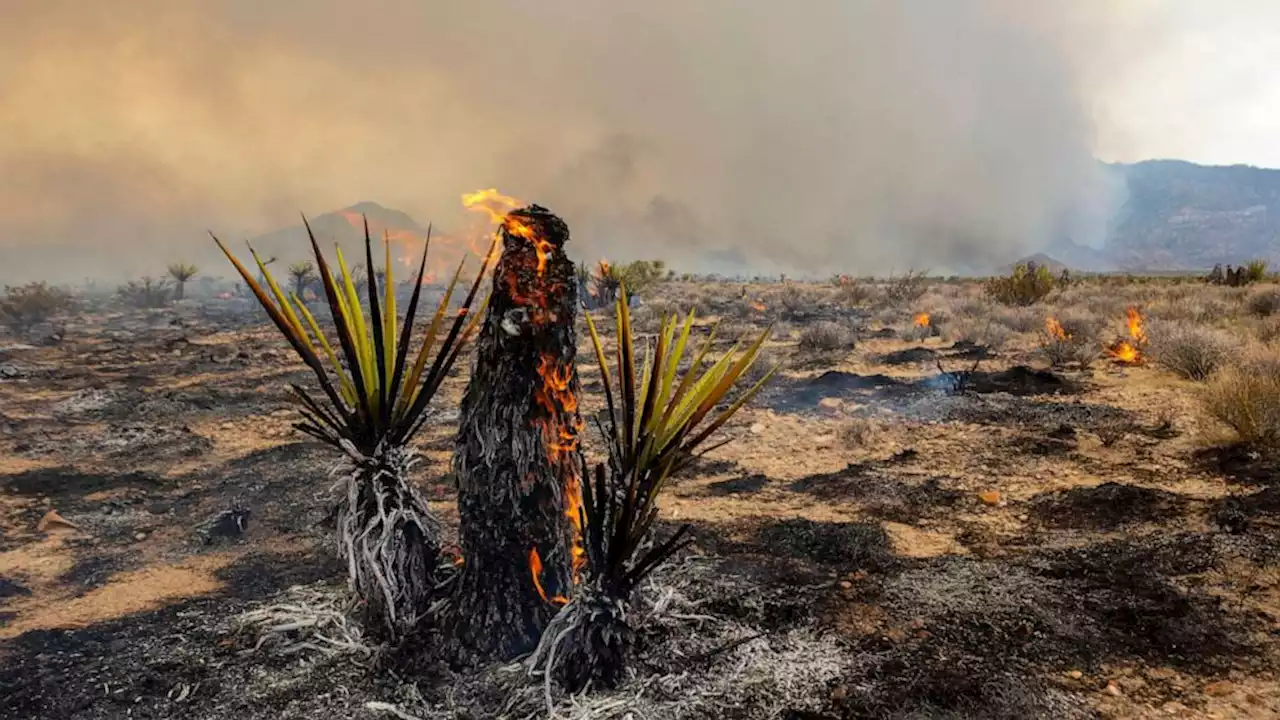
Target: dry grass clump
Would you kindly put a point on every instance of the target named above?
(1078, 342)
(984, 332)
(1020, 320)
(857, 432)
(1245, 396)
(826, 336)
(905, 289)
(852, 292)
(1192, 351)
(1264, 302)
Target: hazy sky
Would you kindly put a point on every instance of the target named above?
(1200, 85)
(815, 135)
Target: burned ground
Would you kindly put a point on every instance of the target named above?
(1029, 548)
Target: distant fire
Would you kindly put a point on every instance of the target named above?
(758, 306)
(1054, 328)
(922, 320)
(1129, 350)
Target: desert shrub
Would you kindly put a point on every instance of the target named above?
(905, 289)
(26, 306)
(1264, 302)
(1072, 338)
(1245, 396)
(1255, 271)
(641, 275)
(1019, 319)
(987, 333)
(145, 293)
(826, 336)
(1191, 351)
(856, 433)
(852, 292)
(1026, 285)
(975, 308)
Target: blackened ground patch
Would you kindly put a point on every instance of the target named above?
(63, 481)
(1106, 506)
(845, 546)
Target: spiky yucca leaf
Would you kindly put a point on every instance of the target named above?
(658, 420)
(375, 389)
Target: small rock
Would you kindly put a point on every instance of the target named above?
(1219, 689)
(52, 520)
(846, 584)
(1075, 674)
(140, 536)
(990, 497)
(757, 428)
(1113, 689)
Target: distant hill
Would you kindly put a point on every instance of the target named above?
(343, 226)
(1183, 216)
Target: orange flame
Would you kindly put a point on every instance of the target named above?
(535, 569)
(1054, 328)
(922, 320)
(1128, 351)
(758, 306)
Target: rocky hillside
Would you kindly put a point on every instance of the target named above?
(1179, 215)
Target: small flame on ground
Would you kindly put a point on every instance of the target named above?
(922, 320)
(1054, 328)
(758, 306)
(1128, 351)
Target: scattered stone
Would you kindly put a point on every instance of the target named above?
(757, 428)
(990, 497)
(1113, 689)
(1075, 674)
(1220, 688)
(52, 520)
(140, 536)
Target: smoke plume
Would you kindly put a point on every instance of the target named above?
(817, 136)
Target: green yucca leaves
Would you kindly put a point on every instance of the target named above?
(658, 419)
(373, 394)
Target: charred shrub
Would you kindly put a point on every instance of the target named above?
(26, 306)
(145, 293)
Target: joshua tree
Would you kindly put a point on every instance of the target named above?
(516, 452)
(653, 428)
(302, 273)
(374, 399)
(181, 273)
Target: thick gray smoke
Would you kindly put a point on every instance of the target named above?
(818, 136)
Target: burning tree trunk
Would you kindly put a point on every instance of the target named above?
(516, 460)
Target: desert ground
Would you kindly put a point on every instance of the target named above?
(963, 517)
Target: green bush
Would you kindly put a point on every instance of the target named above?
(1026, 285)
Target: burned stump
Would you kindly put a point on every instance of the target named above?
(516, 460)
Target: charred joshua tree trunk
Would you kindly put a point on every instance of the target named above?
(516, 460)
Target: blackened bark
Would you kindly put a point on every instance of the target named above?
(516, 455)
